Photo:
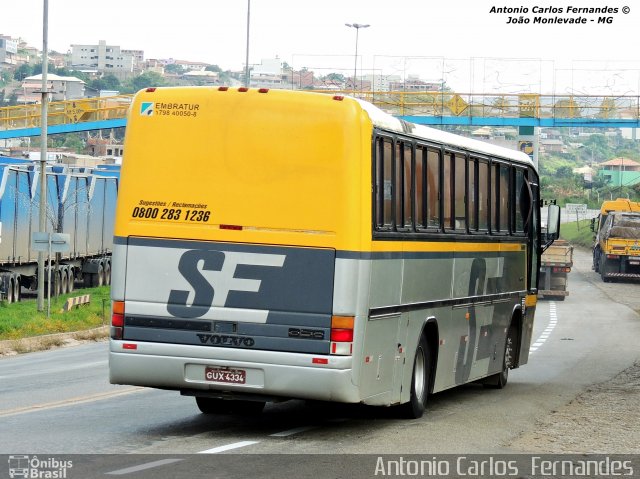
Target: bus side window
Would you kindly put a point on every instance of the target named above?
(419, 190)
(406, 186)
(447, 200)
(483, 196)
(459, 206)
(500, 198)
(384, 184)
(433, 189)
(504, 198)
(472, 192)
(522, 201)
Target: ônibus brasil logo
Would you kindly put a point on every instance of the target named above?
(146, 109)
(21, 466)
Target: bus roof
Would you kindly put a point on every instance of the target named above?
(384, 120)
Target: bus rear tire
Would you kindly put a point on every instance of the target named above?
(222, 406)
(247, 408)
(212, 405)
(420, 378)
(499, 380)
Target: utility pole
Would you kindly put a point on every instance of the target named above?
(43, 151)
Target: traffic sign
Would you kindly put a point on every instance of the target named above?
(576, 209)
(54, 242)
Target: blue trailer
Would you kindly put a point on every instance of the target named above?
(80, 202)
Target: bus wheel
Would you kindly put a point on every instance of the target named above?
(499, 381)
(247, 408)
(419, 382)
(212, 405)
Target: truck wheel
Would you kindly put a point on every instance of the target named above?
(603, 269)
(54, 288)
(72, 279)
(10, 291)
(87, 278)
(16, 290)
(99, 276)
(64, 282)
(107, 273)
(414, 409)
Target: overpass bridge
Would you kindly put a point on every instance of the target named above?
(428, 108)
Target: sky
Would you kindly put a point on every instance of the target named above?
(459, 41)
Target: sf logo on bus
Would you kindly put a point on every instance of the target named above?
(212, 276)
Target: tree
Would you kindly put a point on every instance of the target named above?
(5, 77)
(213, 68)
(335, 77)
(146, 80)
(174, 68)
(74, 141)
(108, 82)
(564, 172)
(23, 71)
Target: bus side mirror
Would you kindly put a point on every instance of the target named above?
(553, 223)
(593, 225)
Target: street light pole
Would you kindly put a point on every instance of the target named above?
(357, 26)
(43, 151)
(246, 71)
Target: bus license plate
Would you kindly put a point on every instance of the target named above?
(221, 375)
(634, 263)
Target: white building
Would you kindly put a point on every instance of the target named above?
(62, 88)
(268, 74)
(8, 50)
(105, 59)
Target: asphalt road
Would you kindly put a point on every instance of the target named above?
(60, 402)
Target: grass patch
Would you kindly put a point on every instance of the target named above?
(22, 320)
(578, 233)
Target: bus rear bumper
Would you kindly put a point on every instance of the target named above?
(283, 376)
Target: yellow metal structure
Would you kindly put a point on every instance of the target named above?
(484, 105)
(420, 104)
(65, 112)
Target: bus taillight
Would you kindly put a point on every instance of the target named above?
(117, 319)
(342, 335)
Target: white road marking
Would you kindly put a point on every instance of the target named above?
(291, 432)
(553, 321)
(142, 467)
(228, 447)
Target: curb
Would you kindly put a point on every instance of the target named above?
(12, 347)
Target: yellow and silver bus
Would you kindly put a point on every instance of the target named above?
(274, 244)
